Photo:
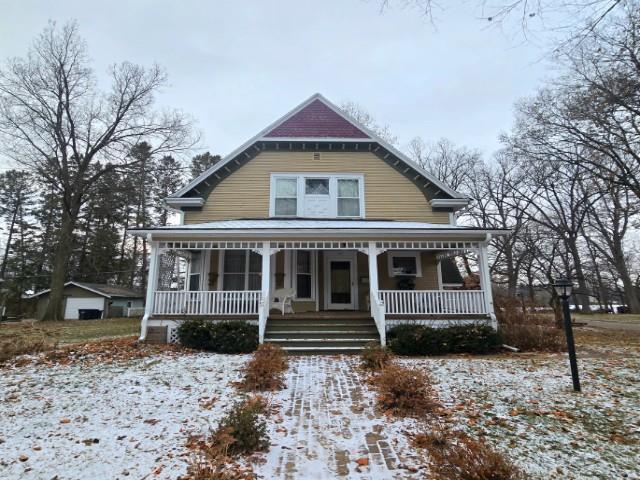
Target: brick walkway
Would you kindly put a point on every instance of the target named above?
(328, 422)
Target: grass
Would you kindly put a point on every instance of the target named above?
(607, 317)
(71, 331)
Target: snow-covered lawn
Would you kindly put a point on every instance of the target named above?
(526, 407)
(131, 419)
(110, 420)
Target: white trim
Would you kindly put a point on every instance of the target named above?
(455, 203)
(352, 257)
(184, 202)
(439, 270)
(42, 292)
(301, 178)
(451, 245)
(409, 254)
(260, 136)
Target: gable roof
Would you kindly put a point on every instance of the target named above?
(316, 119)
(102, 289)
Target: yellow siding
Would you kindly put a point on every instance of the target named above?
(245, 193)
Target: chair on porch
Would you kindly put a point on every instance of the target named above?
(283, 299)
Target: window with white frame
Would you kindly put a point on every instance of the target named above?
(404, 263)
(317, 195)
(195, 268)
(286, 197)
(241, 270)
(304, 275)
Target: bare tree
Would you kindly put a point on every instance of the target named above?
(449, 163)
(361, 115)
(610, 219)
(55, 121)
(577, 17)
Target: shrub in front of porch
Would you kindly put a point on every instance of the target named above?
(218, 337)
(265, 370)
(422, 340)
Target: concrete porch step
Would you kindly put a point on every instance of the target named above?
(316, 327)
(323, 350)
(321, 339)
(327, 333)
(315, 343)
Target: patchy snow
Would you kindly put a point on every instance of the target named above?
(526, 407)
(110, 420)
(141, 412)
(328, 423)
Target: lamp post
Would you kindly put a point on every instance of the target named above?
(563, 288)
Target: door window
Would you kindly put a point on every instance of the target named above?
(340, 272)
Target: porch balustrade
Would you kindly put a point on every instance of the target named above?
(182, 302)
(433, 302)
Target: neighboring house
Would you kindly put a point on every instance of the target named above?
(317, 207)
(110, 301)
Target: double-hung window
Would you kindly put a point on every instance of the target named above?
(304, 275)
(317, 195)
(241, 270)
(286, 197)
(348, 197)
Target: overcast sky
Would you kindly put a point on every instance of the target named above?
(235, 66)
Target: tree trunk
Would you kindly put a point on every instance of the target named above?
(61, 262)
(3, 269)
(630, 291)
(582, 295)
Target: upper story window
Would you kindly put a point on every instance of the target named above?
(317, 195)
(286, 197)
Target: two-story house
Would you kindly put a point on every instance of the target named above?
(318, 208)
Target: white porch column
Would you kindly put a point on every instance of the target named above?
(372, 253)
(265, 301)
(152, 284)
(376, 305)
(485, 281)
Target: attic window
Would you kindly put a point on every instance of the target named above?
(316, 156)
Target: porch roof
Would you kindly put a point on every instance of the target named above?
(278, 227)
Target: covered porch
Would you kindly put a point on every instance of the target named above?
(389, 280)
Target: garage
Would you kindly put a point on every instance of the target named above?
(74, 305)
(95, 300)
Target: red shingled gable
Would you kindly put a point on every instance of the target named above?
(317, 120)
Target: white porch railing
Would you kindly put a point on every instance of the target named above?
(378, 314)
(217, 302)
(434, 302)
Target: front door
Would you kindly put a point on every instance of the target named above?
(340, 280)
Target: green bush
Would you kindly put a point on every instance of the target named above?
(422, 340)
(219, 337)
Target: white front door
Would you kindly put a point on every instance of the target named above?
(340, 271)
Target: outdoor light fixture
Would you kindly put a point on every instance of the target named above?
(563, 288)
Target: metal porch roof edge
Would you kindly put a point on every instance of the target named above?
(306, 227)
